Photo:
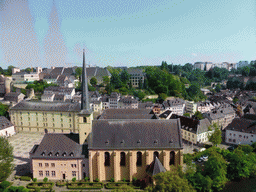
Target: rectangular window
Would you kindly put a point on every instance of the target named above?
(41, 173)
(73, 174)
(53, 164)
(46, 164)
(40, 164)
(83, 165)
(53, 173)
(47, 173)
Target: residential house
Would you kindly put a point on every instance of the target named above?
(14, 97)
(98, 73)
(128, 102)
(241, 131)
(177, 106)
(113, 100)
(6, 127)
(190, 107)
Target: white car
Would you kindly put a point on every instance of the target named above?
(205, 158)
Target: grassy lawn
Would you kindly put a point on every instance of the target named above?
(247, 185)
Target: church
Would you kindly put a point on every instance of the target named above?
(121, 144)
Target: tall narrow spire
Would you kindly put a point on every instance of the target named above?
(85, 94)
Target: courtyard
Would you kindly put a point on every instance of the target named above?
(22, 144)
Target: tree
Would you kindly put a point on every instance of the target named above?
(161, 97)
(116, 80)
(170, 181)
(9, 70)
(164, 65)
(216, 137)
(245, 71)
(218, 88)
(216, 169)
(6, 158)
(106, 80)
(78, 72)
(28, 69)
(4, 110)
(235, 100)
(239, 166)
(45, 179)
(1, 70)
(125, 77)
(93, 81)
(198, 115)
(186, 114)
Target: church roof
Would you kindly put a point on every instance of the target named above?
(127, 114)
(135, 134)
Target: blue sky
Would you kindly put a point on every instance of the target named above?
(146, 32)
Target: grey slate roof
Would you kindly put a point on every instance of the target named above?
(4, 123)
(127, 114)
(46, 106)
(146, 105)
(155, 167)
(97, 72)
(135, 134)
(203, 126)
(242, 125)
(59, 143)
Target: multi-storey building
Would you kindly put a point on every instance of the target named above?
(177, 106)
(136, 76)
(190, 107)
(241, 131)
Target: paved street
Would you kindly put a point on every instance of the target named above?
(22, 144)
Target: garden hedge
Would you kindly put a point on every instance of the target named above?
(89, 185)
(39, 184)
(115, 185)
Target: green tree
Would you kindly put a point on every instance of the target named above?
(170, 181)
(245, 71)
(186, 114)
(116, 80)
(235, 100)
(239, 166)
(4, 110)
(164, 65)
(93, 81)
(28, 70)
(125, 77)
(216, 169)
(216, 136)
(1, 70)
(6, 159)
(218, 88)
(45, 179)
(9, 70)
(106, 80)
(198, 115)
(78, 72)
(161, 97)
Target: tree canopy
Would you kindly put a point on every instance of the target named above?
(216, 137)
(93, 81)
(6, 159)
(4, 110)
(171, 180)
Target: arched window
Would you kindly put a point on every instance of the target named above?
(139, 159)
(122, 159)
(156, 154)
(172, 158)
(107, 159)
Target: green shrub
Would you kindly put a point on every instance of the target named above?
(5, 184)
(97, 180)
(37, 189)
(74, 179)
(124, 180)
(116, 185)
(112, 180)
(85, 185)
(86, 179)
(25, 178)
(45, 179)
(34, 179)
(41, 185)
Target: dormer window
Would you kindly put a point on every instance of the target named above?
(72, 154)
(139, 141)
(50, 154)
(156, 141)
(43, 154)
(107, 142)
(57, 154)
(64, 154)
(122, 142)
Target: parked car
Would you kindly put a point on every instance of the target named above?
(231, 148)
(202, 149)
(205, 158)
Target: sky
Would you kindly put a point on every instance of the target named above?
(129, 33)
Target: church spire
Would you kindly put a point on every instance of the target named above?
(85, 94)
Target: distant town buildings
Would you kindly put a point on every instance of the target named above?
(6, 127)
(209, 65)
